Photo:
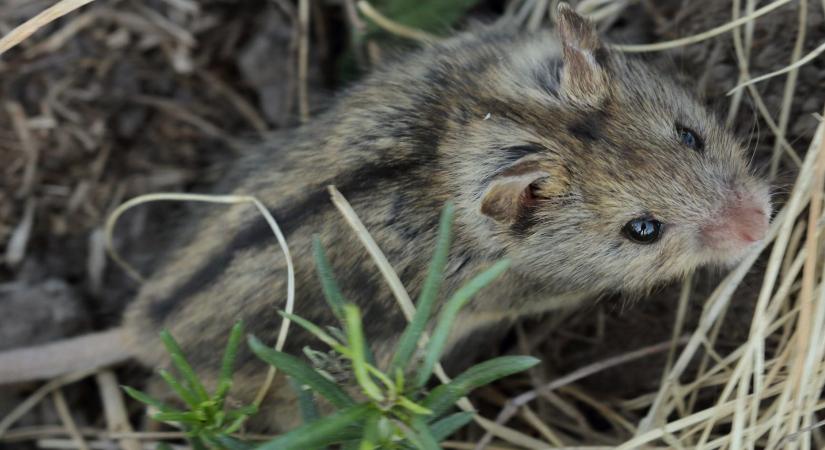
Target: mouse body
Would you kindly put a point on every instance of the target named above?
(590, 171)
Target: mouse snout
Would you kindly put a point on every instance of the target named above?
(742, 220)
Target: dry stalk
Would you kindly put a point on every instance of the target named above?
(394, 27)
(516, 403)
(703, 36)
(222, 199)
(303, 59)
(790, 87)
(35, 398)
(65, 415)
(114, 408)
(49, 15)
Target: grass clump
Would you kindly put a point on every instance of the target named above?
(206, 421)
(395, 409)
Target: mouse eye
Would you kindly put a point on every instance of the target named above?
(690, 138)
(643, 230)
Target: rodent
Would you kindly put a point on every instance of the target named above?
(589, 170)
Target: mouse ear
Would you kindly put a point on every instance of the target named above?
(584, 75)
(521, 187)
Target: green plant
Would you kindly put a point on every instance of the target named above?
(397, 412)
(207, 421)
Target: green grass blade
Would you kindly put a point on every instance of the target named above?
(228, 362)
(355, 336)
(445, 427)
(420, 435)
(447, 318)
(146, 399)
(300, 370)
(190, 377)
(189, 417)
(381, 377)
(413, 407)
(186, 371)
(332, 292)
(344, 425)
(318, 332)
(371, 432)
(239, 417)
(429, 292)
(443, 397)
(185, 394)
(247, 410)
(306, 402)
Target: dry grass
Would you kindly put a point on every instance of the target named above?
(763, 392)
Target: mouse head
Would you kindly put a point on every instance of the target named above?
(601, 173)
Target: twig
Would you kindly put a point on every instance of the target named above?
(539, 10)
(806, 294)
(21, 127)
(117, 419)
(790, 87)
(37, 396)
(513, 405)
(394, 27)
(808, 58)
(303, 59)
(241, 105)
(742, 53)
(59, 38)
(180, 34)
(468, 446)
(357, 29)
(396, 286)
(742, 61)
(702, 36)
(67, 419)
(179, 112)
(28, 28)
(794, 436)
(16, 246)
(224, 199)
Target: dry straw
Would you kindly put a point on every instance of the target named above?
(39, 21)
(221, 199)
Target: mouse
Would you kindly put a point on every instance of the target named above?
(590, 170)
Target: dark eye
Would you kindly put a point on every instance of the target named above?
(690, 138)
(643, 230)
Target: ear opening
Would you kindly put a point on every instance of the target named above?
(521, 187)
(584, 76)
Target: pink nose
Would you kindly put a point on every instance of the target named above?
(743, 221)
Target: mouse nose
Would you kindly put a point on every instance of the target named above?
(743, 220)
